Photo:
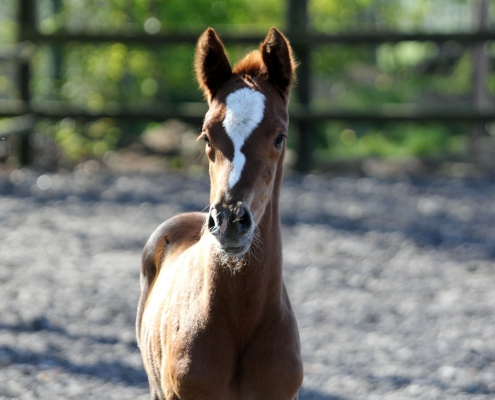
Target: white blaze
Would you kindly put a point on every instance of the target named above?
(245, 108)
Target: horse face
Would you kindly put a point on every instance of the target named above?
(245, 133)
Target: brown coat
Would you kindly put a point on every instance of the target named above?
(214, 318)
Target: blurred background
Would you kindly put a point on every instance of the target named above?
(389, 246)
(408, 81)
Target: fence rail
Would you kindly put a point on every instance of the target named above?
(194, 112)
(311, 39)
(303, 41)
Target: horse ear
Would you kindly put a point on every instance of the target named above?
(211, 63)
(279, 61)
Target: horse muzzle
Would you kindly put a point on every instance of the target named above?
(232, 226)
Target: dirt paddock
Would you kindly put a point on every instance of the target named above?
(392, 283)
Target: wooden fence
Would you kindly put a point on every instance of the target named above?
(24, 113)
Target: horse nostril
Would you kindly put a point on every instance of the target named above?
(214, 220)
(211, 222)
(244, 220)
(230, 222)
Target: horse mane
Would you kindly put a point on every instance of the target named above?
(252, 64)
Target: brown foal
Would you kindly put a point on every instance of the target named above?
(214, 319)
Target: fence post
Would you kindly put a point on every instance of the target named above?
(297, 31)
(27, 23)
(481, 73)
(27, 17)
(24, 77)
(57, 54)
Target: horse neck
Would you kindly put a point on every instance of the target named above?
(263, 262)
(257, 287)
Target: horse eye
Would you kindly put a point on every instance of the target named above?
(207, 140)
(279, 141)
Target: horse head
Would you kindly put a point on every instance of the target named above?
(245, 131)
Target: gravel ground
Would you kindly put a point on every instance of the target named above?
(391, 281)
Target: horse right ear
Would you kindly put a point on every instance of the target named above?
(279, 61)
(211, 63)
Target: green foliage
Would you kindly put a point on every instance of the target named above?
(108, 77)
(79, 139)
(103, 77)
(345, 15)
(391, 141)
(162, 16)
(360, 78)
(374, 15)
(8, 25)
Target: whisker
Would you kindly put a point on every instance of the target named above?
(236, 263)
(215, 230)
(257, 238)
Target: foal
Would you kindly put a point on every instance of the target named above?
(214, 319)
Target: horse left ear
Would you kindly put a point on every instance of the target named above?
(279, 61)
(211, 63)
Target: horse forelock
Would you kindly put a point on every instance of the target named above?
(251, 64)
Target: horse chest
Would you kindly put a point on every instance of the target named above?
(191, 348)
(205, 370)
